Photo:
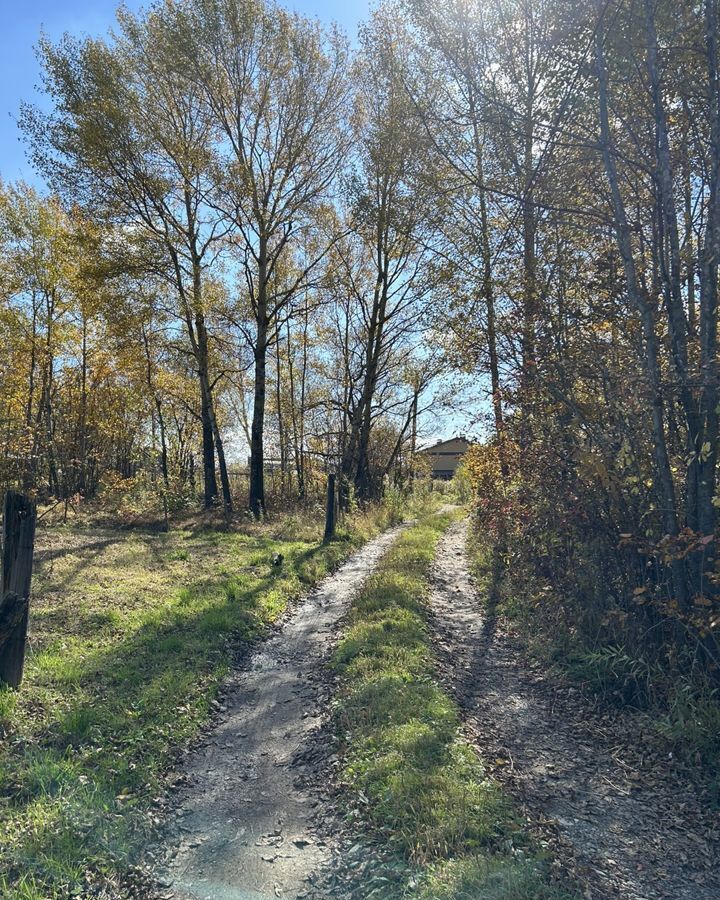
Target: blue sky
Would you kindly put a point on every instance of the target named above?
(24, 20)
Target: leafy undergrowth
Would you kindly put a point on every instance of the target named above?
(131, 634)
(406, 763)
(681, 710)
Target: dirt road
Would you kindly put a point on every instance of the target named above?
(625, 825)
(243, 827)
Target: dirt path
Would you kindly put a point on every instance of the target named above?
(625, 823)
(243, 828)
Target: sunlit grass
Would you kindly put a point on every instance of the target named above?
(130, 637)
(421, 785)
(483, 878)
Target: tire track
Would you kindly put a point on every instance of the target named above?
(243, 827)
(623, 825)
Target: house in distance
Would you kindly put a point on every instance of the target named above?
(445, 456)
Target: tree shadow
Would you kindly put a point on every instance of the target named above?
(129, 702)
(49, 555)
(87, 554)
(494, 588)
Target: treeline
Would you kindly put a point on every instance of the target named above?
(582, 144)
(263, 230)
(237, 243)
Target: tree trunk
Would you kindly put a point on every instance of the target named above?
(210, 489)
(282, 438)
(46, 411)
(81, 478)
(362, 424)
(689, 253)
(413, 436)
(330, 510)
(212, 436)
(651, 358)
(257, 453)
(29, 475)
(709, 289)
(257, 430)
(672, 275)
(297, 409)
(530, 311)
(488, 292)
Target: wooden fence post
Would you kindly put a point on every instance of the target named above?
(330, 510)
(18, 542)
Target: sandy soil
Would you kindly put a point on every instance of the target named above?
(244, 827)
(622, 821)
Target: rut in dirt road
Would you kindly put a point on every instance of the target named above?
(626, 826)
(243, 829)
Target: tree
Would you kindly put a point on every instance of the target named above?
(383, 266)
(129, 138)
(274, 87)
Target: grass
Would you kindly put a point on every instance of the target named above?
(485, 878)
(421, 785)
(131, 635)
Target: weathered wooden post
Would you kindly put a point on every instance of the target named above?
(18, 542)
(330, 510)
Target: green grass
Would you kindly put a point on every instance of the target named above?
(485, 878)
(131, 634)
(422, 787)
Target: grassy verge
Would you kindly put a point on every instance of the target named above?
(420, 784)
(130, 637)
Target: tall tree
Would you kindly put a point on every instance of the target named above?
(383, 266)
(274, 87)
(129, 138)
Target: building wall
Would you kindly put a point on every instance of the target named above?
(445, 457)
